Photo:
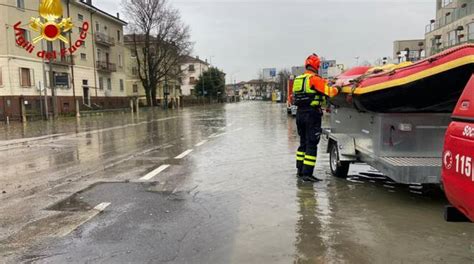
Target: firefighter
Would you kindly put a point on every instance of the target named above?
(310, 92)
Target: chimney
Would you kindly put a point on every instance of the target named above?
(118, 15)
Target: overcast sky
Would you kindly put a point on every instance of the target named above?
(242, 37)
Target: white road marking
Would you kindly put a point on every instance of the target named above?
(201, 143)
(213, 135)
(229, 125)
(92, 213)
(184, 154)
(155, 172)
(238, 129)
(101, 207)
(219, 135)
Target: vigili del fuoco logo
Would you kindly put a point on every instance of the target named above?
(51, 26)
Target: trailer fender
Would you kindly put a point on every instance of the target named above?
(346, 146)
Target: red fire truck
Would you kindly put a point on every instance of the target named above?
(458, 159)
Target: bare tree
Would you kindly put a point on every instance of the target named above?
(159, 40)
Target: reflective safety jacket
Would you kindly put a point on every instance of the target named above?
(311, 90)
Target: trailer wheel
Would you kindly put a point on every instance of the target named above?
(338, 168)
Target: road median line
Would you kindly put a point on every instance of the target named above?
(201, 143)
(154, 172)
(94, 212)
(184, 154)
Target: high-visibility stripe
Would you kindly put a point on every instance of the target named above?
(312, 158)
(299, 153)
(309, 163)
(299, 159)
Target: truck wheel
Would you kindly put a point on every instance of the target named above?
(338, 168)
(451, 214)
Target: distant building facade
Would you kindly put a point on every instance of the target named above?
(169, 90)
(453, 25)
(409, 50)
(192, 68)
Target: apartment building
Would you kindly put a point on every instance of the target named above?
(192, 68)
(453, 25)
(168, 91)
(409, 50)
(89, 68)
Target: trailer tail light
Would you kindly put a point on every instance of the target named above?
(405, 127)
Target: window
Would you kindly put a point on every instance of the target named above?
(20, 4)
(119, 35)
(101, 83)
(134, 71)
(446, 2)
(83, 56)
(121, 85)
(470, 31)
(109, 84)
(120, 60)
(26, 35)
(85, 82)
(451, 38)
(97, 27)
(99, 55)
(49, 46)
(61, 80)
(25, 77)
(191, 67)
(192, 80)
(1, 77)
(80, 17)
(135, 88)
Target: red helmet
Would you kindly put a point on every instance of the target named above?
(313, 61)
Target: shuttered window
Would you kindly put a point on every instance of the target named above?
(26, 77)
(1, 77)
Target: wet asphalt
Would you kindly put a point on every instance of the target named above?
(227, 194)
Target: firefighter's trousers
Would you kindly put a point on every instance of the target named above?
(308, 121)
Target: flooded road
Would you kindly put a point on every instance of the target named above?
(204, 185)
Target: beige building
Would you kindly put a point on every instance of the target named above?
(94, 75)
(192, 68)
(169, 89)
(453, 25)
(409, 50)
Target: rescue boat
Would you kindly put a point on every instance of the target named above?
(430, 85)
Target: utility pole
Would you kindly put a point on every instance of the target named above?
(72, 66)
(53, 89)
(46, 110)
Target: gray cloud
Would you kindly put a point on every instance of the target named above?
(245, 36)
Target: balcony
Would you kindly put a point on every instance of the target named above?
(104, 39)
(63, 61)
(437, 49)
(106, 66)
(455, 14)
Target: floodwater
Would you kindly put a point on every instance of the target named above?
(233, 199)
